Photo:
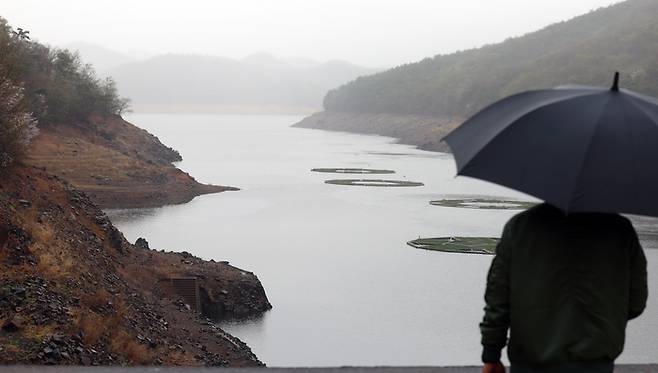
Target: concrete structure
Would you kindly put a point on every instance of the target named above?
(188, 289)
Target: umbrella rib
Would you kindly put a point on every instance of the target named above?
(581, 168)
(648, 99)
(517, 118)
(643, 110)
(633, 135)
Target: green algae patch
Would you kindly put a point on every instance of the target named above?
(362, 171)
(374, 183)
(483, 203)
(463, 245)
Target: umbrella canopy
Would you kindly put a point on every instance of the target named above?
(582, 149)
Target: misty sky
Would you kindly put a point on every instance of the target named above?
(374, 33)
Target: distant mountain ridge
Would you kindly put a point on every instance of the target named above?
(584, 50)
(260, 82)
(446, 89)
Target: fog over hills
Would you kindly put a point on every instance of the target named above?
(100, 57)
(421, 102)
(584, 50)
(257, 83)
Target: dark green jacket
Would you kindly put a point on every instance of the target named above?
(565, 287)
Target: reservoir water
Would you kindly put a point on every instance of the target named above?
(333, 259)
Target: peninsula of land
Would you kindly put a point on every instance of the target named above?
(116, 163)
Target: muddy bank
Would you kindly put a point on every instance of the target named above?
(425, 132)
(117, 164)
(74, 291)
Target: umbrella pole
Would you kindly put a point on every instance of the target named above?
(615, 83)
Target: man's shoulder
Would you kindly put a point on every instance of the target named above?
(544, 213)
(539, 211)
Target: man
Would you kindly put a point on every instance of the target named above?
(565, 286)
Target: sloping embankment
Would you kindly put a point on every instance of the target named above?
(117, 164)
(74, 291)
(425, 132)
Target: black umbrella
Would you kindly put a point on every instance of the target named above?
(578, 148)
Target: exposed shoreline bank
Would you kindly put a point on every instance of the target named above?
(116, 163)
(425, 132)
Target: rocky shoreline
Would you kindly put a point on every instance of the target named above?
(74, 291)
(425, 132)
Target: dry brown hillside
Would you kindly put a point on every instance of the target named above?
(74, 291)
(115, 163)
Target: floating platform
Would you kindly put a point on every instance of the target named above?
(362, 171)
(374, 183)
(463, 245)
(483, 203)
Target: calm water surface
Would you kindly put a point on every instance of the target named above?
(346, 289)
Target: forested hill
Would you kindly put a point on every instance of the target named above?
(58, 115)
(583, 50)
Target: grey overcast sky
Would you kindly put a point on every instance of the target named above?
(376, 33)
